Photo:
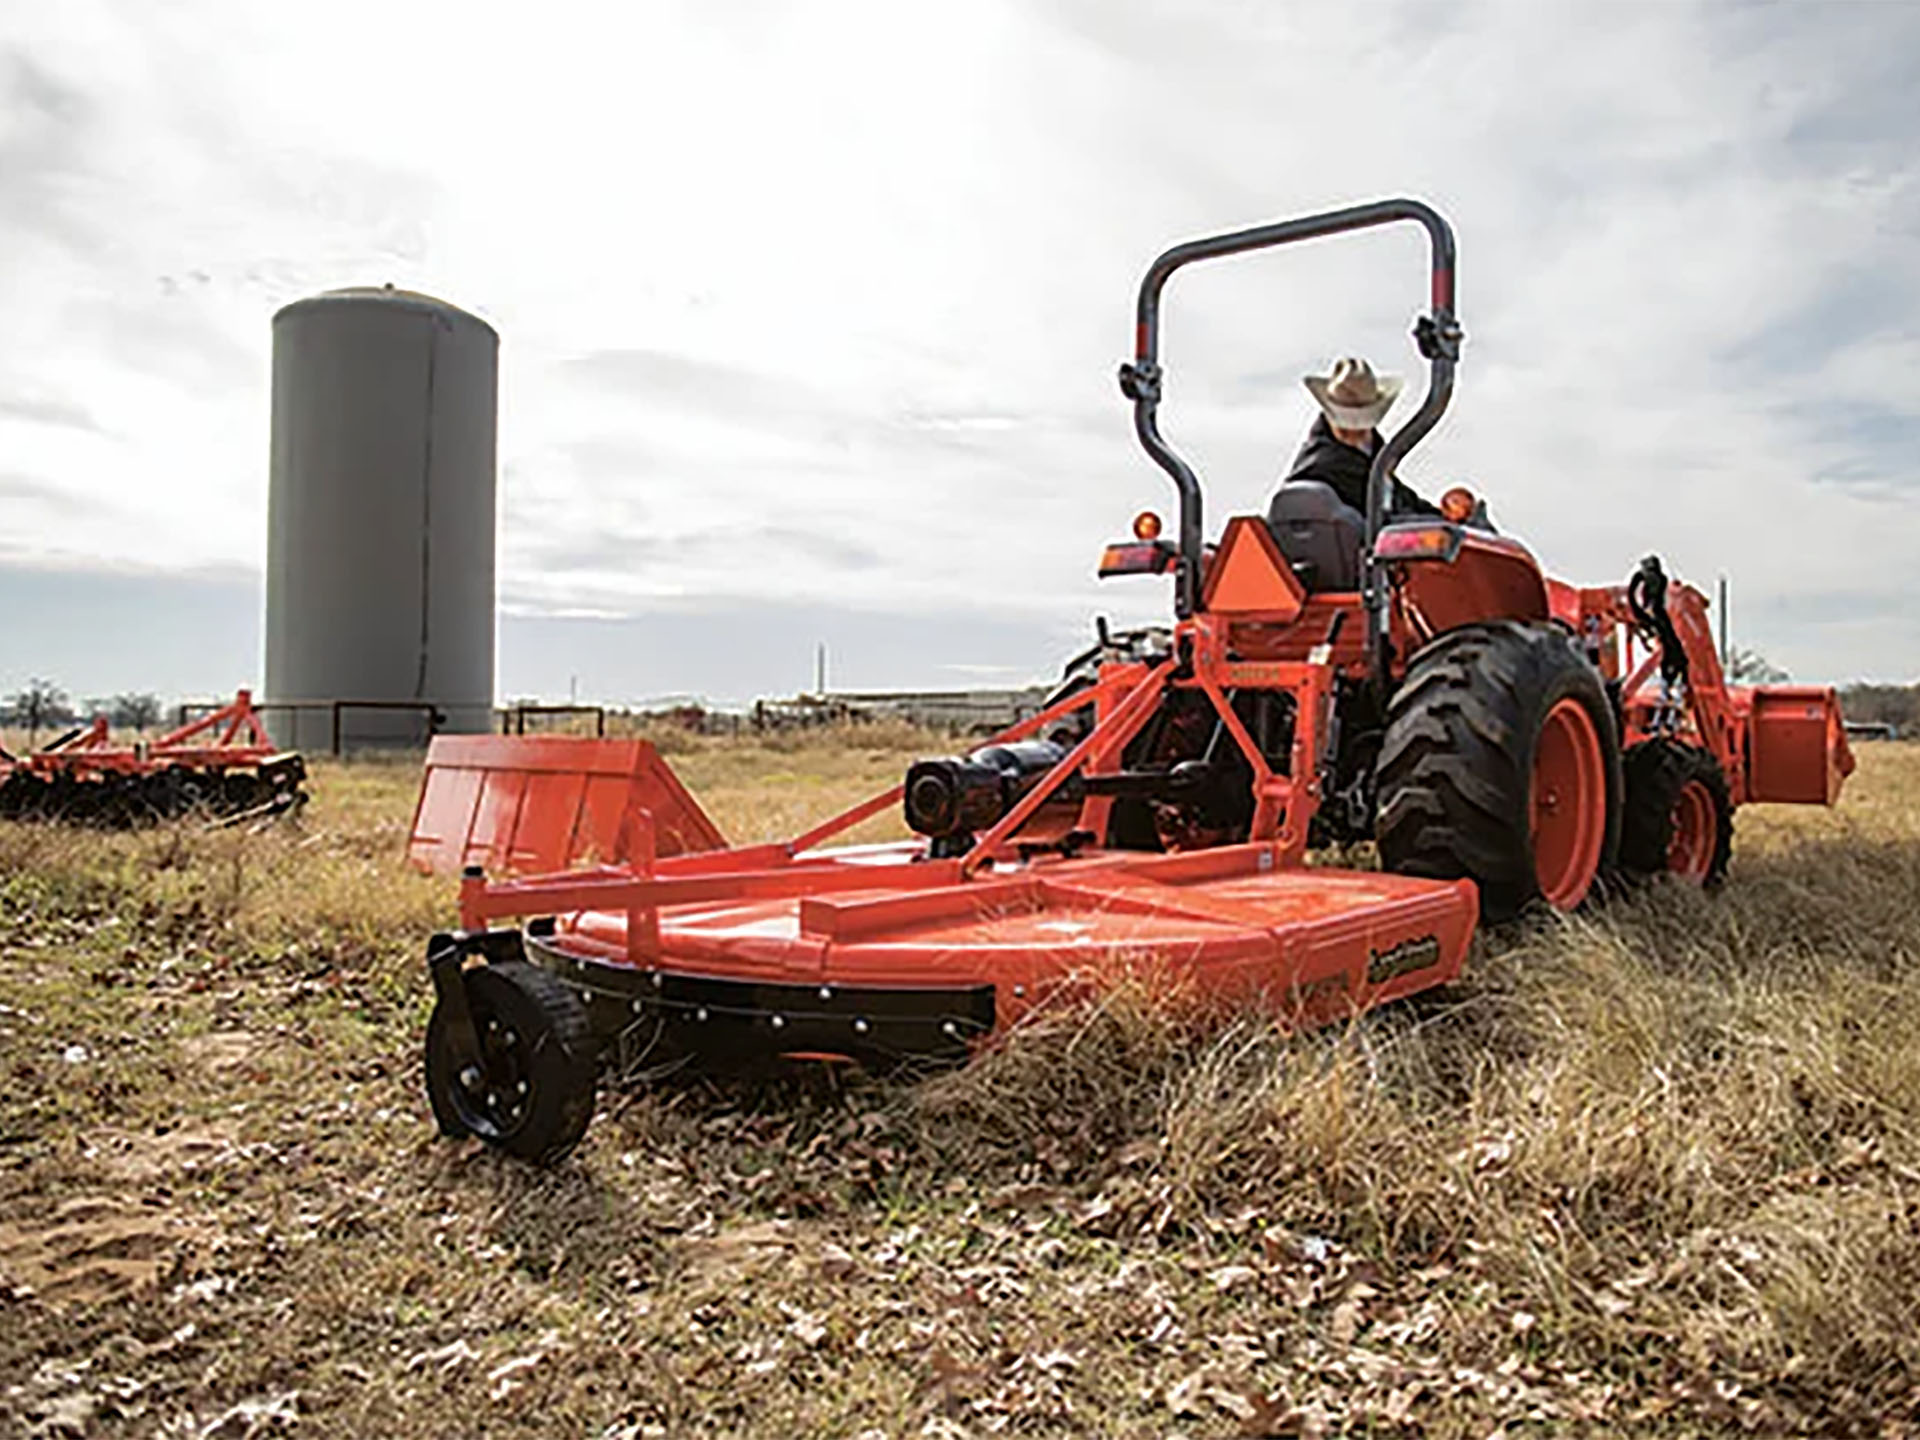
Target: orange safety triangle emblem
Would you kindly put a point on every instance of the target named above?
(1249, 575)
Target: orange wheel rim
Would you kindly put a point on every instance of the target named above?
(1569, 805)
(1695, 826)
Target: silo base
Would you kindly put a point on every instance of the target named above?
(345, 726)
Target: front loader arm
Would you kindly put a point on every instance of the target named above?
(1671, 620)
(1719, 725)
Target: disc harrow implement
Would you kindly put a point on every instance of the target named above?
(223, 766)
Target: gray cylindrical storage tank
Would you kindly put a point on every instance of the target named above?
(380, 515)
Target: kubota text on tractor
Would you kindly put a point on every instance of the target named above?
(1503, 737)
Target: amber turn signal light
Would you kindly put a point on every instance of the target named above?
(1458, 504)
(1146, 526)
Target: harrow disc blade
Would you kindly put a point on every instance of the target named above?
(121, 801)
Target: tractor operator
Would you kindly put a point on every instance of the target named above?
(1345, 436)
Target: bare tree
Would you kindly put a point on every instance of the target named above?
(1895, 705)
(135, 710)
(1750, 667)
(41, 703)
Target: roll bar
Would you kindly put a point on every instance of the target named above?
(1438, 336)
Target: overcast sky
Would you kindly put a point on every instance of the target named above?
(810, 311)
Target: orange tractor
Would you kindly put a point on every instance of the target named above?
(1503, 737)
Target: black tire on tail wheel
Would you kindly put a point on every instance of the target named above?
(1501, 765)
(1678, 816)
(531, 1091)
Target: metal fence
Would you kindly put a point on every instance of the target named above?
(513, 719)
(979, 712)
(972, 712)
(336, 711)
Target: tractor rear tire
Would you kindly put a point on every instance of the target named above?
(532, 1093)
(1501, 765)
(1678, 815)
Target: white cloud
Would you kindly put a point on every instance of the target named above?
(820, 303)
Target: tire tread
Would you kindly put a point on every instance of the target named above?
(565, 1050)
(1455, 767)
(1656, 771)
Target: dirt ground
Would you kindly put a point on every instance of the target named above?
(1653, 1169)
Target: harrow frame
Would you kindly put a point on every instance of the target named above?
(203, 754)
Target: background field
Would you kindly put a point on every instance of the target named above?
(1654, 1169)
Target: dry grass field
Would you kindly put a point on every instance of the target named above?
(1653, 1170)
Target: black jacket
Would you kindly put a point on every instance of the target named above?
(1330, 460)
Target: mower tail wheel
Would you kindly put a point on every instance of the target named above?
(1501, 764)
(530, 1091)
(1678, 817)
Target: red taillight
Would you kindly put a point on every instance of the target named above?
(1417, 542)
(1145, 557)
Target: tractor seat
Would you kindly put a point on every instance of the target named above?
(1319, 533)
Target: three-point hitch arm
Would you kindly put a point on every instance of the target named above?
(1437, 334)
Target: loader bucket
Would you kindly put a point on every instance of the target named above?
(533, 804)
(1799, 745)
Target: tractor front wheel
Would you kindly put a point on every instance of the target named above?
(530, 1089)
(1501, 764)
(1678, 818)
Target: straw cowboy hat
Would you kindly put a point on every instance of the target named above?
(1353, 397)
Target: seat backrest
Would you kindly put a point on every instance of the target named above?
(1319, 533)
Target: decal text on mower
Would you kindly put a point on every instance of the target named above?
(1408, 956)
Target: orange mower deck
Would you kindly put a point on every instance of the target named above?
(874, 953)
